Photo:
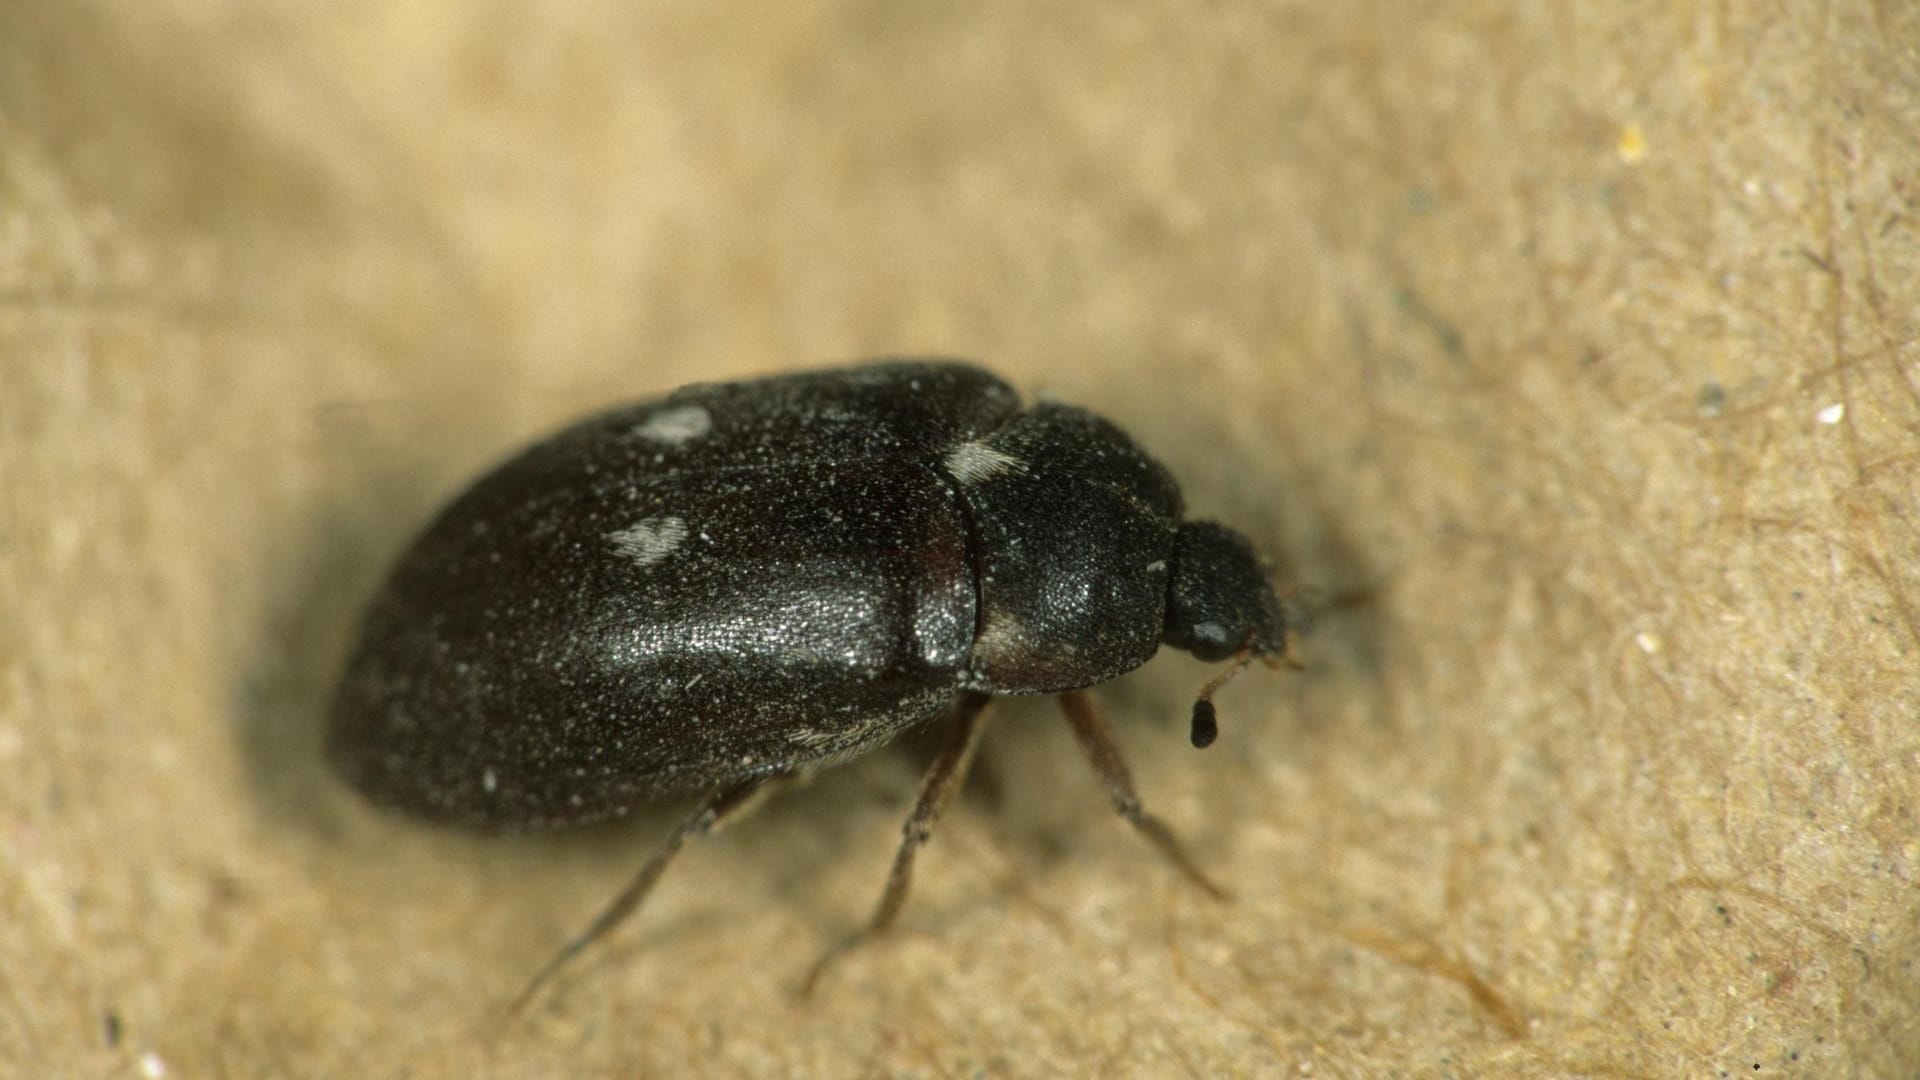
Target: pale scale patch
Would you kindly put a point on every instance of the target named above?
(973, 462)
(680, 424)
(649, 540)
(1004, 635)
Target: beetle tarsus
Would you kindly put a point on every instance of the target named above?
(725, 805)
(1098, 742)
(942, 779)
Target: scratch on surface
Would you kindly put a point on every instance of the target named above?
(1186, 979)
(1843, 366)
(1426, 957)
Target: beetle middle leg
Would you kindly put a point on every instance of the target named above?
(721, 807)
(942, 779)
(1101, 750)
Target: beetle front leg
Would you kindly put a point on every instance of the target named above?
(721, 807)
(942, 779)
(1098, 742)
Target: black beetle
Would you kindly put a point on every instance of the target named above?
(742, 582)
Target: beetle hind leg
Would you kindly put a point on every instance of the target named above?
(1104, 754)
(942, 779)
(723, 806)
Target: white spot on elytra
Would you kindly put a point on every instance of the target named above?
(649, 540)
(972, 462)
(489, 782)
(1211, 632)
(1156, 566)
(1003, 636)
(677, 425)
(1833, 413)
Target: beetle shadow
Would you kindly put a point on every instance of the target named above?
(332, 557)
(1346, 651)
(327, 562)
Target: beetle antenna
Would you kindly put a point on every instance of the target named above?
(1206, 725)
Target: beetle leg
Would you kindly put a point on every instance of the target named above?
(1112, 769)
(723, 806)
(942, 779)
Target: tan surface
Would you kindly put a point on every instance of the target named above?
(1582, 336)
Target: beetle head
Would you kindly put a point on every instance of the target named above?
(1220, 606)
(1220, 603)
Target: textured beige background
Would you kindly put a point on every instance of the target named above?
(1575, 345)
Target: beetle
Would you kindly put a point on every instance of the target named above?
(739, 583)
